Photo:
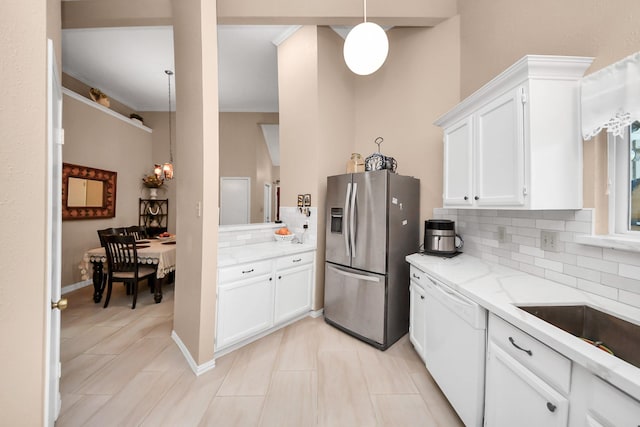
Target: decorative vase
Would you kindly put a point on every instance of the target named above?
(153, 193)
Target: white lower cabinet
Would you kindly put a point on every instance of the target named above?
(515, 396)
(256, 297)
(293, 292)
(245, 308)
(596, 403)
(527, 382)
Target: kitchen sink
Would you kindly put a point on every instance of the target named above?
(609, 333)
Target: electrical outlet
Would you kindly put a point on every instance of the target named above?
(502, 234)
(549, 241)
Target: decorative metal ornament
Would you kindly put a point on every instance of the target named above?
(377, 161)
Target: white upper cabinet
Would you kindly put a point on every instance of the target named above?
(515, 143)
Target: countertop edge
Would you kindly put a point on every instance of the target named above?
(613, 370)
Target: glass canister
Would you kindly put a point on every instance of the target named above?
(355, 163)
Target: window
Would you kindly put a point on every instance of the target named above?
(624, 180)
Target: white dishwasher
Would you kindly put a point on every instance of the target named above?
(454, 349)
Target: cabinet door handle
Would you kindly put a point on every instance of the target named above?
(416, 276)
(270, 279)
(279, 277)
(466, 197)
(247, 271)
(421, 296)
(477, 198)
(297, 260)
(513, 342)
(551, 407)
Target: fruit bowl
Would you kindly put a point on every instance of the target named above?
(283, 237)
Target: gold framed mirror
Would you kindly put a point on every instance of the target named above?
(88, 193)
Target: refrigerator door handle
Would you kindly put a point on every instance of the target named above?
(352, 220)
(355, 275)
(344, 220)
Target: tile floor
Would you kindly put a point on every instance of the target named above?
(120, 367)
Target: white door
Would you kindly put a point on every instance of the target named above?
(293, 292)
(458, 166)
(267, 202)
(499, 152)
(235, 197)
(244, 309)
(54, 228)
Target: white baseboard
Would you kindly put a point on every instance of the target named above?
(197, 369)
(317, 313)
(75, 286)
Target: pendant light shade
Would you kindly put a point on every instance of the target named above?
(366, 48)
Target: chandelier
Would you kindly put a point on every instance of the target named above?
(166, 169)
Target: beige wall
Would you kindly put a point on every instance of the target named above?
(195, 44)
(336, 119)
(496, 33)
(331, 12)
(115, 13)
(400, 102)
(99, 140)
(298, 104)
(159, 122)
(25, 27)
(121, 13)
(244, 153)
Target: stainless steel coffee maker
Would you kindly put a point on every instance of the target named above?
(440, 237)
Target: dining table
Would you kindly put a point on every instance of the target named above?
(155, 252)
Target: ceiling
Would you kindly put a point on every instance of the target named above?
(128, 64)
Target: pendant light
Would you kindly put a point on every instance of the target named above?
(167, 168)
(366, 47)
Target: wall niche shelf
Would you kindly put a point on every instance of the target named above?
(104, 109)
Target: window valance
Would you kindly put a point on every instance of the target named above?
(611, 97)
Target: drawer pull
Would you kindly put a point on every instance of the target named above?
(551, 407)
(270, 279)
(297, 260)
(421, 296)
(416, 276)
(529, 352)
(247, 271)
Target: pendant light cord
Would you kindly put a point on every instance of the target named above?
(169, 74)
(365, 10)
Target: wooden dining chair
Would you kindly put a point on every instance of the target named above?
(118, 231)
(122, 258)
(139, 232)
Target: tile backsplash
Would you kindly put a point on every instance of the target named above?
(514, 239)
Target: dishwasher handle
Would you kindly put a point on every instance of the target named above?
(451, 295)
(466, 309)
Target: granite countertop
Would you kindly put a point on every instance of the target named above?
(499, 289)
(259, 251)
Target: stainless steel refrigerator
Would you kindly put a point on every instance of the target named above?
(372, 223)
